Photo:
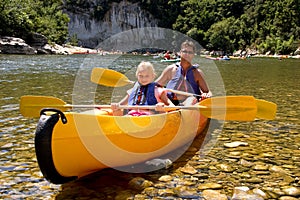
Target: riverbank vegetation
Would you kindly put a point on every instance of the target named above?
(19, 18)
(227, 25)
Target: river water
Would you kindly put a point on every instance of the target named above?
(269, 143)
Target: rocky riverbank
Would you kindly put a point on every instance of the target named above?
(38, 44)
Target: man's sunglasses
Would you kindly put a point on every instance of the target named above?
(188, 52)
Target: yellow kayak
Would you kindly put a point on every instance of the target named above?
(70, 145)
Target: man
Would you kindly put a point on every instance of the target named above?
(185, 77)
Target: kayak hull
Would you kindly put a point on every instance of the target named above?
(93, 140)
(170, 60)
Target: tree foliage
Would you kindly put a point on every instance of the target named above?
(266, 25)
(20, 18)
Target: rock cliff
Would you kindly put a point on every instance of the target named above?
(120, 17)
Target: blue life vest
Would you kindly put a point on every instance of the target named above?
(188, 80)
(142, 95)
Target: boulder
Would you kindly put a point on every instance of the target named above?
(12, 45)
(38, 45)
(37, 40)
(56, 49)
(297, 52)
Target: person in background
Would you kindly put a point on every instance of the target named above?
(185, 77)
(167, 56)
(144, 92)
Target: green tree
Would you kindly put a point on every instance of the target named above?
(51, 21)
(20, 18)
(14, 18)
(264, 24)
(218, 35)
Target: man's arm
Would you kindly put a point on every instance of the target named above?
(166, 75)
(202, 83)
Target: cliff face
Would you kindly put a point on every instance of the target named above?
(120, 17)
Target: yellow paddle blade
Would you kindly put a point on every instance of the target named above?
(109, 77)
(265, 109)
(30, 106)
(238, 108)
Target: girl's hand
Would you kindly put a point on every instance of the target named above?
(160, 107)
(115, 106)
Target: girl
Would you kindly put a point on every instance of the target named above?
(144, 92)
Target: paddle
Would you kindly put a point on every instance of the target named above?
(107, 77)
(265, 109)
(241, 108)
(30, 106)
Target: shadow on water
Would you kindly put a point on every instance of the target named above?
(114, 184)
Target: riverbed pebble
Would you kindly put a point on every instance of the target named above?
(214, 194)
(235, 144)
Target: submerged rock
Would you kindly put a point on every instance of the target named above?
(245, 193)
(235, 144)
(188, 170)
(291, 191)
(213, 194)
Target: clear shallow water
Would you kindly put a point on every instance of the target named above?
(270, 79)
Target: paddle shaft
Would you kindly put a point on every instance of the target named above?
(241, 108)
(70, 106)
(182, 93)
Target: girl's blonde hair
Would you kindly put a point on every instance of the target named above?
(145, 66)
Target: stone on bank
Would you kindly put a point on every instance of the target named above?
(37, 44)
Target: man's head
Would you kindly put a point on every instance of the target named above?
(187, 51)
